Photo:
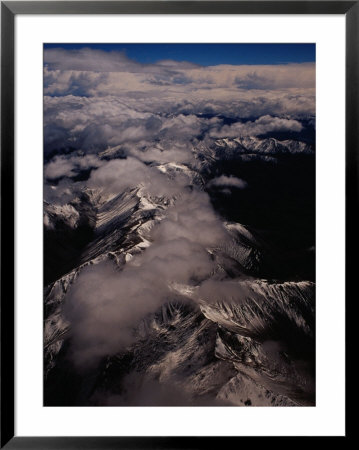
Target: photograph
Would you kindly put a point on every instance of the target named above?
(179, 218)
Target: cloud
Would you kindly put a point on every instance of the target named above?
(95, 99)
(117, 175)
(262, 125)
(231, 181)
(87, 59)
(69, 166)
(115, 65)
(192, 218)
(94, 124)
(105, 305)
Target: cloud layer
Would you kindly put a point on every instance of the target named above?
(95, 99)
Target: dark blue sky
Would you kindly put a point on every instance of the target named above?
(209, 54)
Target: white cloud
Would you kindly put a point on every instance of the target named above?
(231, 181)
(115, 65)
(105, 306)
(117, 175)
(95, 98)
(262, 125)
(69, 166)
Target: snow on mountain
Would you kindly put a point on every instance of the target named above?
(184, 357)
(66, 214)
(259, 303)
(172, 169)
(266, 146)
(246, 148)
(112, 152)
(242, 348)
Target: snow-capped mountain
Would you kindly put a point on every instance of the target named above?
(222, 337)
(255, 145)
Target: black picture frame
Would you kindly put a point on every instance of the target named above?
(9, 9)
